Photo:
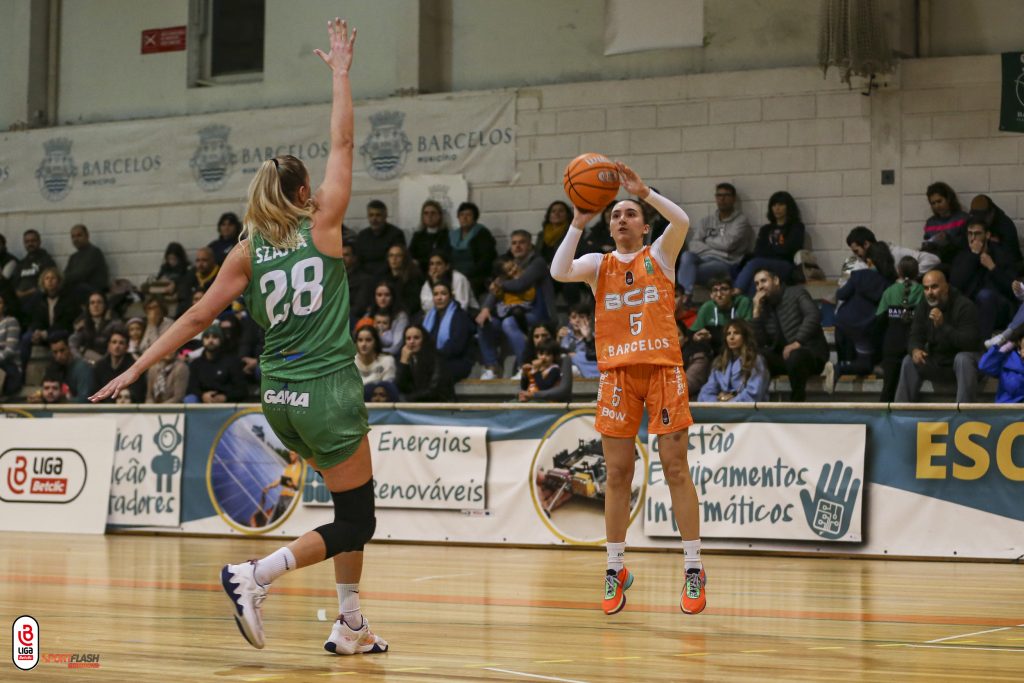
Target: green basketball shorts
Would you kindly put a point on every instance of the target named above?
(322, 419)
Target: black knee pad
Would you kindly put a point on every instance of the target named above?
(354, 521)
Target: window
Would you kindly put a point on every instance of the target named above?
(228, 44)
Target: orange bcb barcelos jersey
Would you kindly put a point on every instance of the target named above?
(634, 315)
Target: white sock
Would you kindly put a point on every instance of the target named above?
(616, 555)
(691, 555)
(273, 565)
(348, 604)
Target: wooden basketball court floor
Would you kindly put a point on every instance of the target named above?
(153, 610)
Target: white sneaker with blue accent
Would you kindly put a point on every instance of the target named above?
(247, 596)
(347, 641)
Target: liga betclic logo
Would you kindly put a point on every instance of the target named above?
(25, 642)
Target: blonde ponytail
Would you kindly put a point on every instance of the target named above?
(272, 213)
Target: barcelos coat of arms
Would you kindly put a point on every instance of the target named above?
(57, 170)
(386, 148)
(214, 159)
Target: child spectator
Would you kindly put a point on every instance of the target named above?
(856, 318)
(387, 306)
(577, 340)
(1006, 363)
(543, 377)
(896, 312)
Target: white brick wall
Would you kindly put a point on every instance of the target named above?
(764, 131)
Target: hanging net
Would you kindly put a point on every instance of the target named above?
(853, 39)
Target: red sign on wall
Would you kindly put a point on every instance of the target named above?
(163, 39)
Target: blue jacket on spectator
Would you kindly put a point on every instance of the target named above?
(730, 380)
(1008, 367)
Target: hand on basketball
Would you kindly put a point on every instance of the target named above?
(342, 46)
(114, 386)
(580, 217)
(631, 181)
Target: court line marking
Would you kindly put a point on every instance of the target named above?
(339, 673)
(754, 652)
(693, 654)
(440, 576)
(828, 647)
(966, 635)
(543, 678)
(553, 661)
(869, 617)
(627, 657)
(961, 647)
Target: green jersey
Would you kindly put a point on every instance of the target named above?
(300, 297)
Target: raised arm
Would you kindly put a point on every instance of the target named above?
(566, 269)
(230, 283)
(333, 195)
(667, 247)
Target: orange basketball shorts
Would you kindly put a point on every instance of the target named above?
(623, 391)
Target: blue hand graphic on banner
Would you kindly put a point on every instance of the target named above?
(830, 512)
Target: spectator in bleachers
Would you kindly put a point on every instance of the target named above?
(537, 334)
(718, 245)
(215, 377)
(527, 281)
(52, 311)
(228, 230)
(360, 284)
(165, 283)
(861, 238)
(157, 322)
(473, 248)
(544, 376)
(724, 306)
(1006, 363)
(92, 328)
(577, 339)
(404, 277)
(431, 235)
(858, 341)
(984, 272)
(738, 373)
(421, 376)
(30, 267)
(1001, 227)
(697, 357)
(197, 279)
(451, 330)
(439, 269)
(778, 241)
(372, 243)
(136, 328)
(10, 334)
(944, 342)
(553, 229)
(69, 370)
(251, 340)
(113, 364)
(598, 239)
(167, 380)
(8, 271)
(895, 313)
(944, 231)
(86, 271)
(385, 303)
(52, 391)
(788, 327)
(375, 366)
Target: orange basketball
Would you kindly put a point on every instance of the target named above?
(591, 181)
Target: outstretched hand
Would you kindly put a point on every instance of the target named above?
(629, 179)
(114, 386)
(342, 46)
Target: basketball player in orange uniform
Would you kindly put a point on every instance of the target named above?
(640, 362)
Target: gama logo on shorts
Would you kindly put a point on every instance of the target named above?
(25, 642)
(41, 475)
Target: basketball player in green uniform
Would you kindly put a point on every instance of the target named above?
(289, 265)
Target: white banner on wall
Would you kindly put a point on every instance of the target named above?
(145, 485)
(447, 190)
(640, 25)
(188, 159)
(418, 466)
(770, 481)
(56, 479)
